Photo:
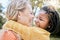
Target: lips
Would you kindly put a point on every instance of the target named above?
(36, 23)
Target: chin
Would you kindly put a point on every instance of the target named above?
(37, 26)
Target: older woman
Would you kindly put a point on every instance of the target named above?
(21, 12)
(18, 26)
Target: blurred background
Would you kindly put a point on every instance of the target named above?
(36, 5)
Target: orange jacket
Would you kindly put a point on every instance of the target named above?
(7, 35)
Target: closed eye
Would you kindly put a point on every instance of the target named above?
(40, 19)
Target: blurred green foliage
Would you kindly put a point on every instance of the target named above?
(0, 7)
(1, 23)
(58, 10)
(37, 3)
(2, 20)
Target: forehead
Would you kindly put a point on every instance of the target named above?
(40, 12)
(43, 15)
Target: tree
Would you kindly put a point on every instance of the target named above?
(1, 7)
(36, 4)
(2, 20)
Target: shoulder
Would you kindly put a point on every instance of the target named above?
(8, 35)
(39, 31)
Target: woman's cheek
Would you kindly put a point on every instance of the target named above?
(37, 24)
(43, 25)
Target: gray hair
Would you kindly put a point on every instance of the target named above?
(13, 8)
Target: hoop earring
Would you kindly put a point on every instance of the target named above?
(48, 26)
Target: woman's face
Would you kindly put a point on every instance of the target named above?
(42, 20)
(26, 16)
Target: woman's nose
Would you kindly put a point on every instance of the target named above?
(36, 20)
(32, 16)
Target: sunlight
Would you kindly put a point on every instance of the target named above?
(5, 4)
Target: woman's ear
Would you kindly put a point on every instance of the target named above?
(20, 13)
(49, 25)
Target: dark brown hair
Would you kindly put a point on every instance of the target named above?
(53, 19)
